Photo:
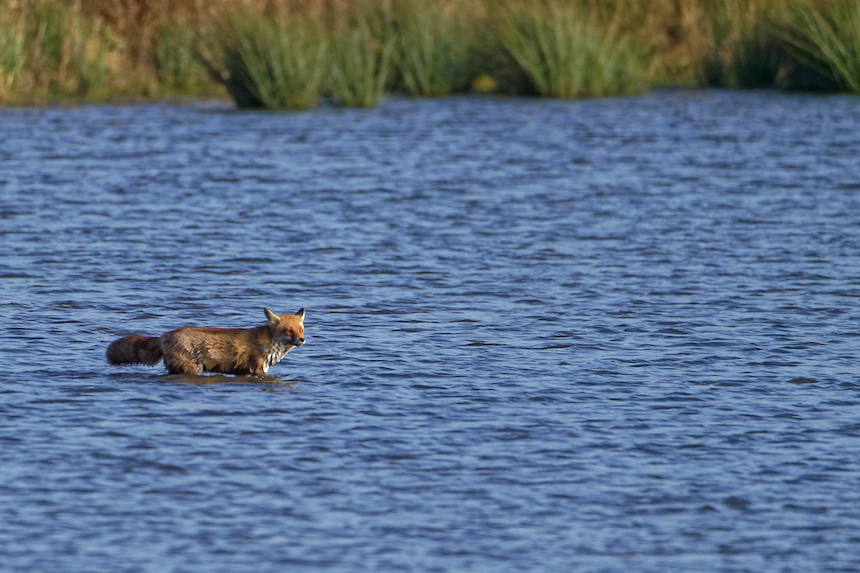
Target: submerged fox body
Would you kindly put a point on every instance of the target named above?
(193, 350)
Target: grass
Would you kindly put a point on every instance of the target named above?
(273, 60)
(11, 54)
(567, 51)
(359, 64)
(827, 39)
(287, 54)
(63, 51)
(436, 46)
(175, 58)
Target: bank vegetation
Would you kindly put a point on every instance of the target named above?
(294, 54)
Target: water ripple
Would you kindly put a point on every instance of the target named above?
(542, 336)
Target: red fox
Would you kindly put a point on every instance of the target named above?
(193, 350)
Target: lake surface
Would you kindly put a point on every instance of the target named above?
(590, 336)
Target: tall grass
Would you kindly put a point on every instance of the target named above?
(360, 64)
(436, 46)
(11, 54)
(274, 60)
(65, 50)
(741, 48)
(567, 51)
(827, 39)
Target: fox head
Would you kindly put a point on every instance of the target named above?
(288, 328)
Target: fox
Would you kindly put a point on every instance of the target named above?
(194, 350)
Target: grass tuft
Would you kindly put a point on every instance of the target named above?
(827, 39)
(566, 51)
(436, 46)
(276, 60)
(360, 64)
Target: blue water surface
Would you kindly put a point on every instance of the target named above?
(613, 335)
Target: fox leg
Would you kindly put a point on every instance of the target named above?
(258, 369)
(179, 366)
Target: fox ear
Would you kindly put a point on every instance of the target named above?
(301, 314)
(273, 318)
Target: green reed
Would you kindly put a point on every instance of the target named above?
(565, 51)
(827, 39)
(435, 46)
(360, 64)
(276, 61)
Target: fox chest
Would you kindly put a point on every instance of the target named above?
(274, 352)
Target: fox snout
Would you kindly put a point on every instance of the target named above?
(298, 341)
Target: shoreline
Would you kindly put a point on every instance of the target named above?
(228, 104)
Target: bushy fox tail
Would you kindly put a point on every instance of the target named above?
(134, 350)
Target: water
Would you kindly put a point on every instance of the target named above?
(605, 335)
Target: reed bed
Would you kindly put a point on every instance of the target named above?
(291, 54)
